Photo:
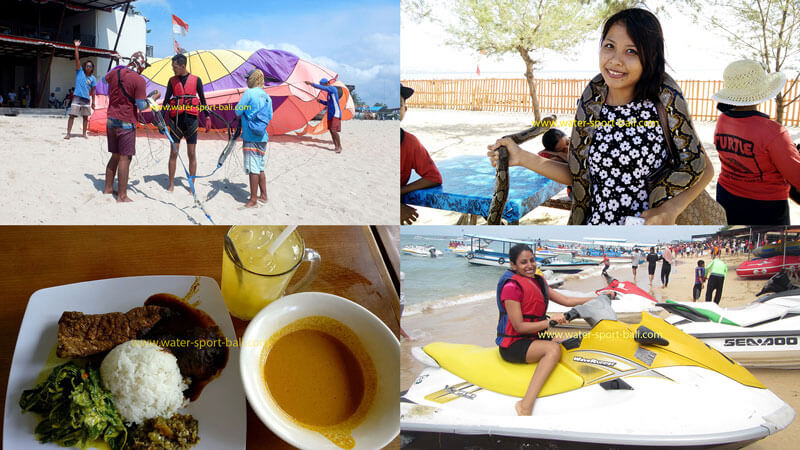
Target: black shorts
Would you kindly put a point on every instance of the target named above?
(518, 350)
(186, 128)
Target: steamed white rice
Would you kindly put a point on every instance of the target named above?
(144, 379)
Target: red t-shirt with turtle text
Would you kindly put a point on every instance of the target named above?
(757, 155)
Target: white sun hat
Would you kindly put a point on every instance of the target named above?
(747, 83)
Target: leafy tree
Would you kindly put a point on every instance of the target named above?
(763, 30)
(382, 105)
(356, 99)
(500, 27)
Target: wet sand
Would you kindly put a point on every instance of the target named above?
(476, 323)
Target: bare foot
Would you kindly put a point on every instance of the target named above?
(108, 191)
(66, 137)
(171, 187)
(338, 150)
(251, 204)
(522, 411)
(85, 136)
(262, 198)
(125, 199)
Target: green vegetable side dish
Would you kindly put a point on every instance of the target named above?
(75, 409)
(177, 432)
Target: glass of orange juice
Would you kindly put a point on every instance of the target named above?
(252, 278)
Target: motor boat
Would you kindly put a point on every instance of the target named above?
(566, 264)
(763, 268)
(765, 333)
(422, 250)
(645, 384)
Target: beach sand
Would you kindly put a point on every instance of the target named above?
(446, 134)
(50, 180)
(475, 323)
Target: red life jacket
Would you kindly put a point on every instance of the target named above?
(185, 97)
(534, 309)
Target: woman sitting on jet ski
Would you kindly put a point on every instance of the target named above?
(522, 298)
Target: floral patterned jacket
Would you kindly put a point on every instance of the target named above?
(688, 165)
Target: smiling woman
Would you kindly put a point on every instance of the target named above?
(624, 170)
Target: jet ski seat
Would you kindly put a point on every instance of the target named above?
(485, 367)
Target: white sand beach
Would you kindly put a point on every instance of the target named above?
(446, 134)
(49, 180)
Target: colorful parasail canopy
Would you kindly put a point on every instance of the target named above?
(223, 75)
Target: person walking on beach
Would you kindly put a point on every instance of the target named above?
(413, 156)
(85, 84)
(699, 279)
(716, 278)
(522, 299)
(126, 95)
(334, 110)
(652, 259)
(255, 109)
(667, 259)
(759, 161)
(635, 261)
(183, 100)
(618, 170)
(606, 264)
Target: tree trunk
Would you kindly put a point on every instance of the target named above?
(779, 108)
(531, 85)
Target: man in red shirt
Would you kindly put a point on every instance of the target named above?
(126, 94)
(413, 156)
(759, 161)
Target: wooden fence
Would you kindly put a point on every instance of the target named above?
(559, 96)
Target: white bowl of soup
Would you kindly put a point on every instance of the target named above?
(322, 372)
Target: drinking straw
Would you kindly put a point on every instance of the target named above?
(281, 237)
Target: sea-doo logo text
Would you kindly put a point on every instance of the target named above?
(599, 362)
(756, 342)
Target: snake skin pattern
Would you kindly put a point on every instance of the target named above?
(691, 157)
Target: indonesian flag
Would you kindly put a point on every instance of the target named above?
(179, 26)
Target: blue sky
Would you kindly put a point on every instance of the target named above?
(359, 40)
(648, 234)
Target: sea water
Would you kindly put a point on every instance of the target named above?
(450, 280)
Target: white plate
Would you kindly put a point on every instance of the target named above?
(220, 409)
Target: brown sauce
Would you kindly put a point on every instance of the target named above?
(183, 324)
(319, 374)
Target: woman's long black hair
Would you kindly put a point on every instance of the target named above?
(644, 30)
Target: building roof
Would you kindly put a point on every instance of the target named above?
(18, 45)
(97, 4)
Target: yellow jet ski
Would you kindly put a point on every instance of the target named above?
(645, 384)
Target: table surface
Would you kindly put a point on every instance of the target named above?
(33, 258)
(468, 188)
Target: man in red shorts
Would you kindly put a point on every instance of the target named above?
(126, 94)
(334, 110)
(413, 156)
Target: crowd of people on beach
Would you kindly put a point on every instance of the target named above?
(623, 161)
(183, 102)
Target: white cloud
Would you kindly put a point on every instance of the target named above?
(248, 45)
